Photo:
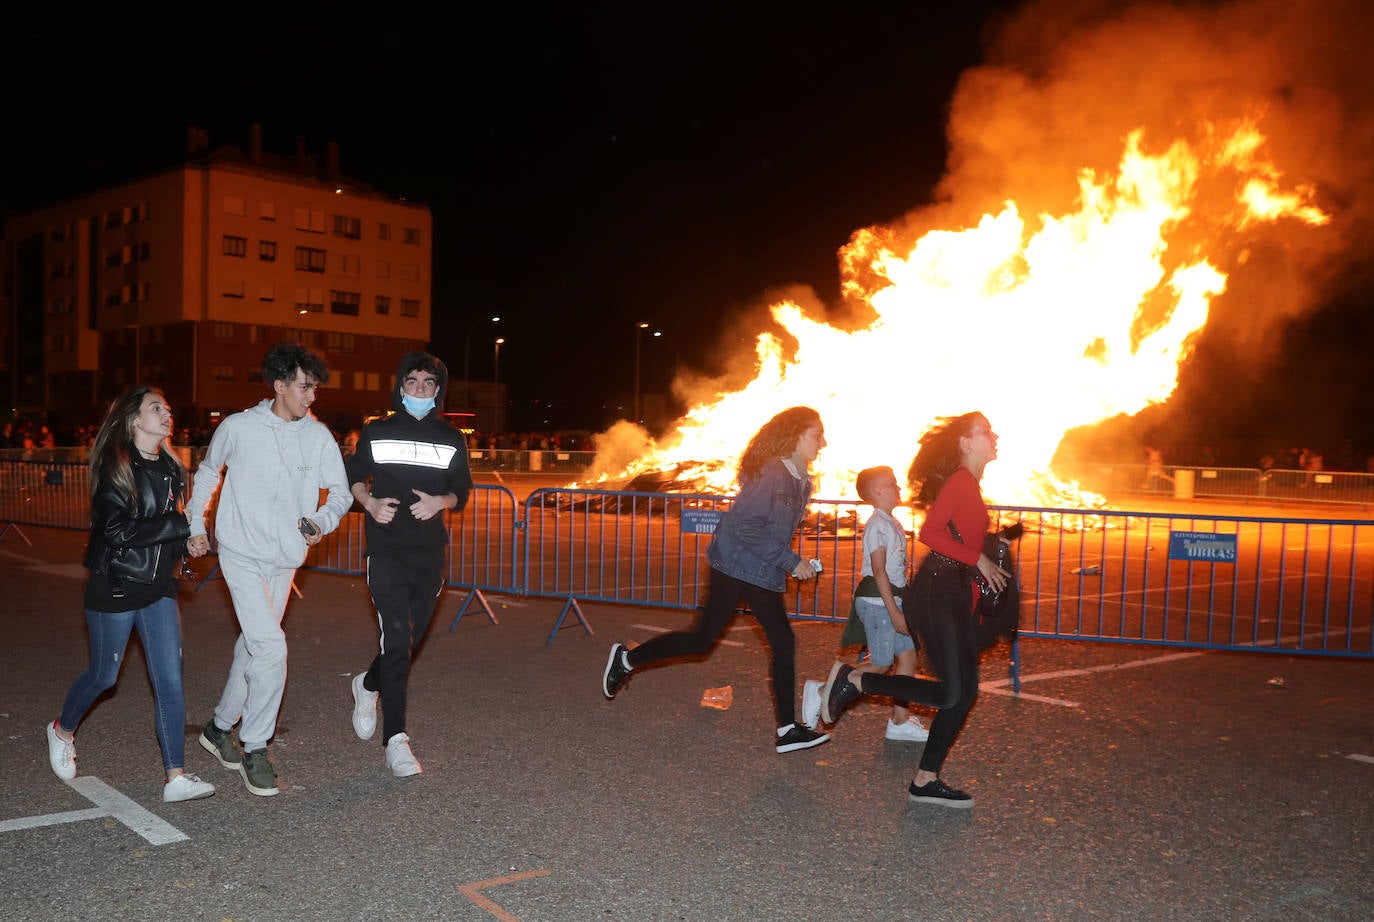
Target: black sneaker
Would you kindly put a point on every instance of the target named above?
(220, 744)
(838, 692)
(800, 737)
(617, 670)
(936, 792)
(258, 774)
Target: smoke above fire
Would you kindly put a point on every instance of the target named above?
(1120, 180)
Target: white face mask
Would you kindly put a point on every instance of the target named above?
(417, 407)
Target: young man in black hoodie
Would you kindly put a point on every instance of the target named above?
(417, 467)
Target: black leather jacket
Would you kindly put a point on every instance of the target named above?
(141, 542)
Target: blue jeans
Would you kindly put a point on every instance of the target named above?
(159, 627)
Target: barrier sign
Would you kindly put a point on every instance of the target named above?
(700, 521)
(1202, 547)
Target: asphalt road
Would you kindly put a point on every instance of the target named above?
(1124, 783)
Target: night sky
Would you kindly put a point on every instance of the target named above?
(587, 169)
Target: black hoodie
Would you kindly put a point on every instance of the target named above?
(401, 453)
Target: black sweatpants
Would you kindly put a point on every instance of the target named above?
(939, 608)
(404, 593)
(767, 608)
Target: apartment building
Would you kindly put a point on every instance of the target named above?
(183, 279)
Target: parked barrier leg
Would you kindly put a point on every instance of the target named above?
(481, 600)
(1016, 663)
(558, 625)
(11, 527)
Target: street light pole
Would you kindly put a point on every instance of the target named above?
(467, 351)
(639, 329)
(496, 381)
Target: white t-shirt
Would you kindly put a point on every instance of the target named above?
(882, 530)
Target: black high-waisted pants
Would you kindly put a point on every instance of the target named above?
(939, 608)
(767, 608)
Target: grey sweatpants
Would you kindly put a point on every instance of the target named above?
(257, 677)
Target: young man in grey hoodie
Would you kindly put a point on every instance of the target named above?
(278, 459)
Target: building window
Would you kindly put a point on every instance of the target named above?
(59, 233)
(112, 298)
(383, 304)
(112, 219)
(411, 235)
(383, 231)
(61, 269)
(224, 332)
(266, 292)
(345, 302)
(267, 251)
(374, 381)
(309, 302)
(233, 204)
(141, 211)
(112, 259)
(310, 219)
(310, 338)
(234, 289)
(309, 259)
(144, 252)
(267, 211)
(255, 333)
(222, 372)
(235, 246)
(339, 342)
(344, 226)
(410, 272)
(410, 307)
(351, 266)
(143, 291)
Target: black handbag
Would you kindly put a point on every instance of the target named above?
(999, 613)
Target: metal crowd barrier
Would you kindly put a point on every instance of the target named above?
(1279, 585)
(1242, 483)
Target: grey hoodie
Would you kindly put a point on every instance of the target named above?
(276, 470)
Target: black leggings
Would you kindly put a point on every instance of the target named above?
(767, 608)
(940, 609)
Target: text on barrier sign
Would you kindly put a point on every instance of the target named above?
(1202, 547)
(700, 521)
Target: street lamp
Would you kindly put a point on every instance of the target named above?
(467, 350)
(496, 381)
(640, 328)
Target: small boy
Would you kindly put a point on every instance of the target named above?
(878, 604)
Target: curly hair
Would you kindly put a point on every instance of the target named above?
(776, 439)
(283, 359)
(938, 456)
(113, 449)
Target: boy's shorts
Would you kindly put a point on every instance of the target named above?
(884, 643)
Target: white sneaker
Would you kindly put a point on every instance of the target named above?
(811, 702)
(185, 787)
(364, 709)
(399, 758)
(912, 731)
(61, 754)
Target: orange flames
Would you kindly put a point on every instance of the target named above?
(1044, 322)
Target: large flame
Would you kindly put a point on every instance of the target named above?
(1044, 324)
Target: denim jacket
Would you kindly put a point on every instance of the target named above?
(753, 541)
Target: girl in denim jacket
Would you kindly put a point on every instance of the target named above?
(751, 557)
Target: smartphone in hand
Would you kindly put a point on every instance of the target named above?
(307, 528)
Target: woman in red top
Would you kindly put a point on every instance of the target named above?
(940, 602)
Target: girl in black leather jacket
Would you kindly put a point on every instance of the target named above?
(139, 533)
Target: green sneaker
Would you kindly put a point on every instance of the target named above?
(220, 744)
(258, 774)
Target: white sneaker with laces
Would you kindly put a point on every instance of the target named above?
(364, 709)
(911, 731)
(185, 787)
(811, 702)
(399, 758)
(61, 754)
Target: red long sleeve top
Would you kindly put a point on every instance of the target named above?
(961, 502)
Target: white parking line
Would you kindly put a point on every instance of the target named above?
(108, 802)
(1359, 758)
(999, 686)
